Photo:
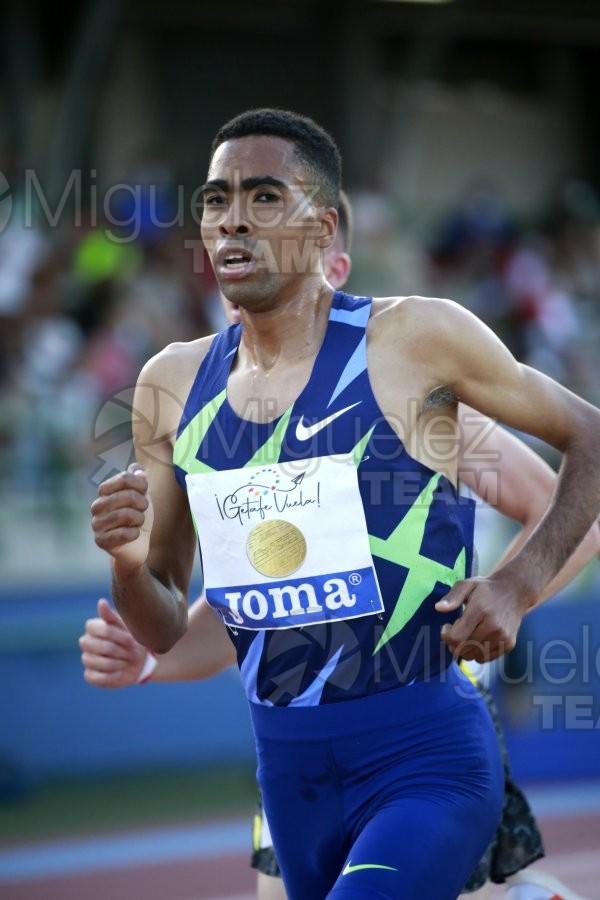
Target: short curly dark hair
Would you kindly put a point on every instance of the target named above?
(315, 148)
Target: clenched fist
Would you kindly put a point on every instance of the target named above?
(122, 517)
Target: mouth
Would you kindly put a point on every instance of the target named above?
(235, 262)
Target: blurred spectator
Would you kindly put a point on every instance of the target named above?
(537, 288)
(387, 259)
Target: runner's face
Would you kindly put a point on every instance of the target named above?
(260, 224)
(336, 268)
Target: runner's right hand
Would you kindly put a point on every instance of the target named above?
(111, 656)
(122, 517)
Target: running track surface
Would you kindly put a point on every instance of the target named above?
(210, 861)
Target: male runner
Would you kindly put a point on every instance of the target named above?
(330, 540)
(521, 488)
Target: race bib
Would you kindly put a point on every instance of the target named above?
(286, 544)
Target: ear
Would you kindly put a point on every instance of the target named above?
(328, 222)
(336, 266)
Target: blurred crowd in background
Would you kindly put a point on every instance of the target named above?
(83, 306)
(470, 140)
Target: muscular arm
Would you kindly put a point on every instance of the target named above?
(152, 596)
(467, 357)
(588, 549)
(141, 517)
(203, 651)
(507, 474)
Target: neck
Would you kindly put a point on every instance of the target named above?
(290, 331)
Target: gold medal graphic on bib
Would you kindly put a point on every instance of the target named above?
(276, 548)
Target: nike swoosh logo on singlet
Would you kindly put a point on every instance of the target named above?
(350, 868)
(304, 432)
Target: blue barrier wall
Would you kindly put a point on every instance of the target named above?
(552, 716)
(53, 724)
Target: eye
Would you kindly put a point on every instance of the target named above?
(267, 197)
(214, 200)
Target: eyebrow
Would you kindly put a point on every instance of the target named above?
(221, 184)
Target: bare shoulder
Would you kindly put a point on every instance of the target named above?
(175, 367)
(163, 387)
(404, 340)
(416, 313)
(444, 327)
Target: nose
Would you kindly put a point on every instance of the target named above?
(233, 220)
